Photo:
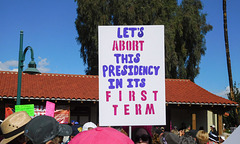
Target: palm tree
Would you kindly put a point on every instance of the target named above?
(227, 49)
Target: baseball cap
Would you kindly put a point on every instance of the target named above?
(43, 128)
(88, 125)
(223, 138)
(213, 126)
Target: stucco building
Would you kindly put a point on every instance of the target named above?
(186, 102)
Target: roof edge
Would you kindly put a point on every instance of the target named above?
(201, 104)
(95, 100)
(57, 99)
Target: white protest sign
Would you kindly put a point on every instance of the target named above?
(234, 137)
(131, 75)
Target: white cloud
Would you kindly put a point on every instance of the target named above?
(11, 65)
(224, 93)
(41, 66)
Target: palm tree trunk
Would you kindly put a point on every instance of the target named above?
(227, 49)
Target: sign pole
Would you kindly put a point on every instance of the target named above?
(130, 132)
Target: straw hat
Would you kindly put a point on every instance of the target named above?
(13, 126)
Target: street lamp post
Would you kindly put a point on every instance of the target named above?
(31, 66)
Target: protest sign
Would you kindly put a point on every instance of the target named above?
(29, 108)
(131, 75)
(61, 113)
(50, 108)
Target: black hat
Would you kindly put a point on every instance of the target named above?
(192, 133)
(170, 137)
(43, 128)
(159, 131)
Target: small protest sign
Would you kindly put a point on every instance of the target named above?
(29, 108)
(50, 108)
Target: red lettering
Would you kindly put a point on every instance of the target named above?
(122, 45)
(115, 46)
(149, 109)
(138, 109)
(144, 97)
(115, 109)
(155, 95)
(120, 95)
(108, 95)
(131, 95)
(126, 109)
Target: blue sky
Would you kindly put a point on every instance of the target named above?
(49, 29)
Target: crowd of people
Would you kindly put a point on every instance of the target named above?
(187, 136)
(20, 128)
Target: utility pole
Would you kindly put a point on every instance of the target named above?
(227, 49)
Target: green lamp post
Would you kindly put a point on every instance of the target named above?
(31, 66)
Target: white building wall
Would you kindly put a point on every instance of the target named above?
(212, 119)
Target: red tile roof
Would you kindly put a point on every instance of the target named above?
(186, 91)
(85, 87)
(46, 85)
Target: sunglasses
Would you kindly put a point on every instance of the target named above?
(143, 137)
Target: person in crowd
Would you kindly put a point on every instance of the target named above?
(212, 142)
(202, 137)
(13, 128)
(156, 132)
(175, 130)
(169, 138)
(186, 139)
(201, 128)
(79, 127)
(221, 139)
(76, 128)
(119, 128)
(66, 139)
(89, 126)
(192, 133)
(224, 128)
(213, 134)
(188, 128)
(141, 136)
(162, 129)
(183, 126)
(1, 134)
(101, 135)
(72, 122)
(148, 128)
(181, 132)
(46, 130)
